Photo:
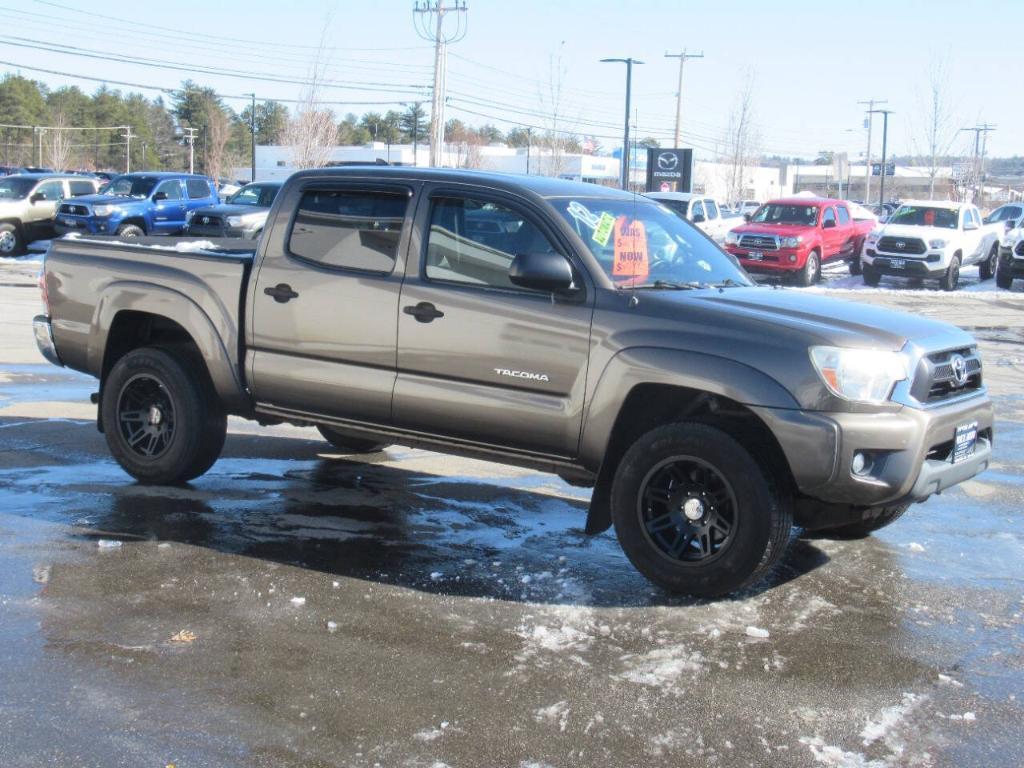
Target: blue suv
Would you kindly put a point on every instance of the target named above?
(137, 204)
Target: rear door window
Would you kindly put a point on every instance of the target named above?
(198, 189)
(81, 187)
(171, 188)
(697, 209)
(349, 229)
(844, 215)
(712, 209)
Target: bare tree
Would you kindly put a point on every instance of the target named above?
(312, 131)
(936, 133)
(557, 129)
(742, 137)
(59, 143)
(218, 132)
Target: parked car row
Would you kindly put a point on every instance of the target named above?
(28, 205)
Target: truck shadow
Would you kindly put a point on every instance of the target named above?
(514, 537)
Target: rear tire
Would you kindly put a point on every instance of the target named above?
(870, 276)
(130, 230)
(695, 513)
(162, 419)
(951, 277)
(987, 268)
(865, 528)
(349, 444)
(1004, 280)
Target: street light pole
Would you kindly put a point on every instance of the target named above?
(252, 132)
(625, 133)
(885, 136)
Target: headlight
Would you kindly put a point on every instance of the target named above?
(103, 210)
(791, 242)
(860, 375)
(246, 220)
(731, 238)
(936, 243)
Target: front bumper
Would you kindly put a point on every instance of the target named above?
(43, 331)
(780, 260)
(911, 448)
(199, 230)
(85, 225)
(904, 266)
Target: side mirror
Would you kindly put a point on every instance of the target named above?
(542, 272)
(829, 224)
(159, 196)
(38, 197)
(747, 217)
(699, 218)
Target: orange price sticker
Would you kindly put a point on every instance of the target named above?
(630, 249)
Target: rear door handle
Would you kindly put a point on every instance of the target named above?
(424, 312)
(282, 293)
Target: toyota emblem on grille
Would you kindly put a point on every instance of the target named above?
(900, 244)
(959, 366)
(206, 219)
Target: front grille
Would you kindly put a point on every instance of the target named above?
(1019, 250)
(759, 242)
(206, 221)
(936, 381)
(74, 210)
(909, 245)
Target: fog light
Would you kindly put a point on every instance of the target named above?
(861, 464)
(792, 257)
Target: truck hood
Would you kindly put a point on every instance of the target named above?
(917, 231)
(106, 200)
(12, 205)
(229, 210)
(781, 230)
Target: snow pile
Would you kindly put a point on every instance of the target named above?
(836, 757)
(662, 667)
(883, 726)
(557, 713)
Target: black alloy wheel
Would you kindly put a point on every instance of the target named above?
(145, 416)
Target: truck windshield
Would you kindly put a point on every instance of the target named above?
(131, 186)
(921, 216)
(261, 195)
(642, 244)
(774, 213)
(14, 188)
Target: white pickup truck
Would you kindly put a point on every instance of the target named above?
(931, 240)
(1011, 256)
(704, 212)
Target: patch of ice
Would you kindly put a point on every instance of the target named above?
(835, 757)
(556, 639)
(556, 713)
(969, 717)
(332, 626)
(757, 632)
(915, 547)
(298, 602)
(947, 680)
(429, 734)
(662, 667)
(109, 544)
(884, 724)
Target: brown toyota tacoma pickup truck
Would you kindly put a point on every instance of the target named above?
(568, 327)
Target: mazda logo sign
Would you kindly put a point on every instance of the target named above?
(667, 161)
(959, 366)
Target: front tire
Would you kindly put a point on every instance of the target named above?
(951, 277)
(1004, 279)
(870, 276)
(987, 268)
(695, 513)
(11, 241)
(855, 268)
(162, 420)
(130, 230)
(349, 444)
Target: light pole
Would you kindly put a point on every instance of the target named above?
(625, 134)
(885, 136)
(252, 131)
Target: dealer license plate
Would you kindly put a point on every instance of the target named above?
(965, 442)
(897, 263)
(755, 256)
(69, 222)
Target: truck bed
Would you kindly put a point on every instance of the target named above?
(84, 276)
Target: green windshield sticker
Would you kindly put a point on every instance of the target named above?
(603, 231)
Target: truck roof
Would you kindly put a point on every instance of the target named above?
(542, 186)
(951, 205)
(806, 200)
(163, 175)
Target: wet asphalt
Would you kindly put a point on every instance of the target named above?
(296, 607)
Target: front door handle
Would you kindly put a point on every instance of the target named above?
(282, 293)
(424, 312)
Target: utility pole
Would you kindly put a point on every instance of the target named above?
(252, 131)
(424, 12)
(885, 136)
(41, 131)
(867, 158)
(979, 160)
(190, 137)
(625, 134)
(128, 136)
(679, 93)
(529, 141)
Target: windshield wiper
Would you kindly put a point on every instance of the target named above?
(673, 286)
(728, 283)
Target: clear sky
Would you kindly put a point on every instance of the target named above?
(812, 61)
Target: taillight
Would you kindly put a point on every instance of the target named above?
(44, 293)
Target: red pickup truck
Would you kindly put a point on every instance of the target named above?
(795, 235)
